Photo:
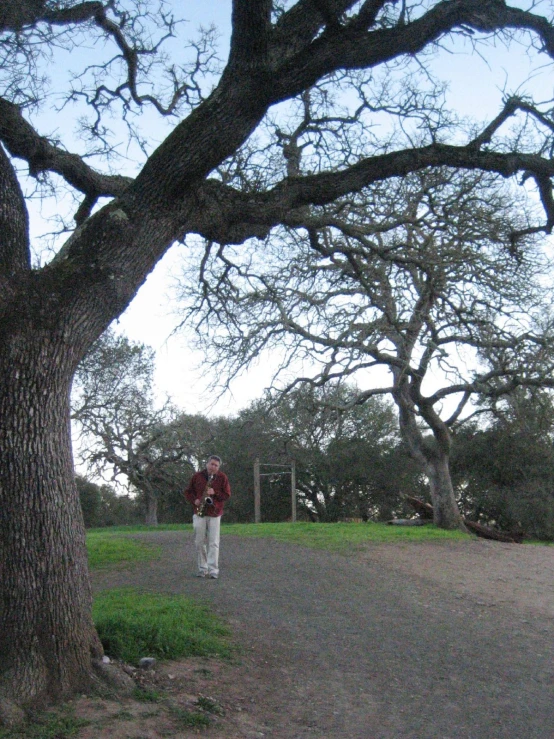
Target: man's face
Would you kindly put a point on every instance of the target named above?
(212, 467)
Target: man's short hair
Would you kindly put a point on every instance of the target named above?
(214, 456)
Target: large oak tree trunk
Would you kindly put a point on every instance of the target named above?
(151, 510)
(49, 318)
(47, 638)
(446, 514)
(434, 460)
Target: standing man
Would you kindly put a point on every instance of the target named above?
(207, 492)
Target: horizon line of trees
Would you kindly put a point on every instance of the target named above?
(350, 464)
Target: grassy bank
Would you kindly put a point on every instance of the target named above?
(134, 624)
(115, 545)
(108, 546)
(342, 536)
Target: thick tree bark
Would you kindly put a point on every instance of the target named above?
(47, 638)
(446, 514)
(151, 510)
(433, 461)
(435, 464)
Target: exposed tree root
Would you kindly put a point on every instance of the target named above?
(425, 511)
(106, 679)
(113, 677)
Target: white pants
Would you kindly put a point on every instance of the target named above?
(206, 540)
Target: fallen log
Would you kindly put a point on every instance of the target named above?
(425, 510)
(487, 533)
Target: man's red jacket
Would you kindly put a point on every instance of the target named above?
(221, 492)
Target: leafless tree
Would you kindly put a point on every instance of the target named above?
(417, 277)
(122, 431)
(52, 310)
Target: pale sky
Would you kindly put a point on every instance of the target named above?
(477, 85)
(477, 88)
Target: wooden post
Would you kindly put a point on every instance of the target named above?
(257, 506)
(293, 488)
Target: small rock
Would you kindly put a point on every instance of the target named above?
(106, 660)
(147, 663)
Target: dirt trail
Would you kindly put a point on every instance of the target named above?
(419, 641)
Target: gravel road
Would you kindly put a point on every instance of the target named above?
(419, 641)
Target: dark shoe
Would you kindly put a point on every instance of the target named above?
(201, 574)
(212, 576)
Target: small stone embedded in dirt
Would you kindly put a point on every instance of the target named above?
(147, 663)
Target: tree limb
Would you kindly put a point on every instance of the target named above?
(358, 49)
(251, 21)
(229, 216)
(17, 14)
(14, 226)
(299, 25)
(23, 141)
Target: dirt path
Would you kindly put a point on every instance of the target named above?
(419, 641)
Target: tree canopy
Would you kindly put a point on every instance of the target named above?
(412, 288)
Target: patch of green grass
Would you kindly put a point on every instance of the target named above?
(190, 719)
(106, 549)
(147, 696)
(123, 716)
(58, 725)
(539, 542)
(134, 624)
(150, 714)
(139, 529)
(209, 704)
(340, 537)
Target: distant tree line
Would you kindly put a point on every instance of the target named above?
(411, 287)
(102, 506)
(504, 472)
(350, 464)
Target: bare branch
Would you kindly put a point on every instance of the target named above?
(16, 14)
(302, 23)
(230, 217)
(23, 142)
(358, 49)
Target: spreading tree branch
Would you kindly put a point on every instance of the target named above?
(23, 141)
